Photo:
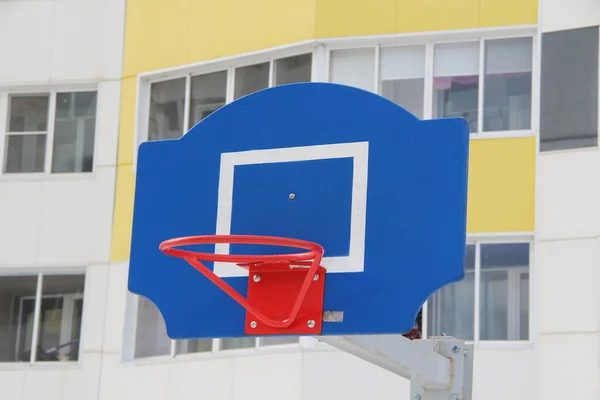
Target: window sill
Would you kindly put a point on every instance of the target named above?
(46, 177)
(216, 355)
(569, 151)
(23, 366)
(502, 134)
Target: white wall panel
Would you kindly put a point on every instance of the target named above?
(20, 207)
(568, 276)
(560, 14)
(101, 216)
(12, 383)
(568, 198)
(94, 307)
(569, 367)
(193, 378)
(76, 40)
(115, 308)
(28, 58)
(65, 222)
(268, 377)
(107, 127)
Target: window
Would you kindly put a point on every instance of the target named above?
(65, 120)
(354, 68)
(569, 89)
(166, 110)
(456, 82)
(151, 338)
(499, 272)
(209, 92)
(507, 86)
(208, 95)
(488, 82)
(50, 323)
(402, 77)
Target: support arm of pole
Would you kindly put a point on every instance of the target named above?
(438, 368)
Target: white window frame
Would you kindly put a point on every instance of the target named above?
(513, 299)
(229, 65)
(71, 298)
(42, 90)
(429, 43)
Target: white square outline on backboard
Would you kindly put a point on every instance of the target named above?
(358, 151)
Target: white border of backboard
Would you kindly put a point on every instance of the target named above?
(358, 151)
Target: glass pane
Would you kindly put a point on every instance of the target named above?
(28, 114)
(503, 255)
(493, 306)
(524, 307)
(60, 317)
(354, 68)
(167, 101)
(17, 300)
(238, 343)
(402, 73)
(569, 89)
(500, 314)
(74, 130)
(25, 153)
(251, 79)
(293, 69)
(278, 340)
(151, 333)
(507, 86)
(208, 95)
(452, 309)
(194, 346)
(456, 82)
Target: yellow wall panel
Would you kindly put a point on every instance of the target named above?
(501, 185)
(508, 12)
(337, 18)
(354, 18)
(436, 15)
(123, 214)
(127, 121)
(226, 27)
(157, 35)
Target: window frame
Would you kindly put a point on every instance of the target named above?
(51, 91)
(229, 65)
(39, 274)
(478, 240)
(429, 43)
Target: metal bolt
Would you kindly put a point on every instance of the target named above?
(256, 278)
(311, 323)
(253, 324)
(316, 277)
(455, 349)
(416, 396)
(466, 352)
(292, 196)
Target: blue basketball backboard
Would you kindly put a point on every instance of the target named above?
(383, 192)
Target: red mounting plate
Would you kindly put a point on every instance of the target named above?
(273, 289)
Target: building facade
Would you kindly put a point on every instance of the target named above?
(108, 75)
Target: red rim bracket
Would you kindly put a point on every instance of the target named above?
(285, 291)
